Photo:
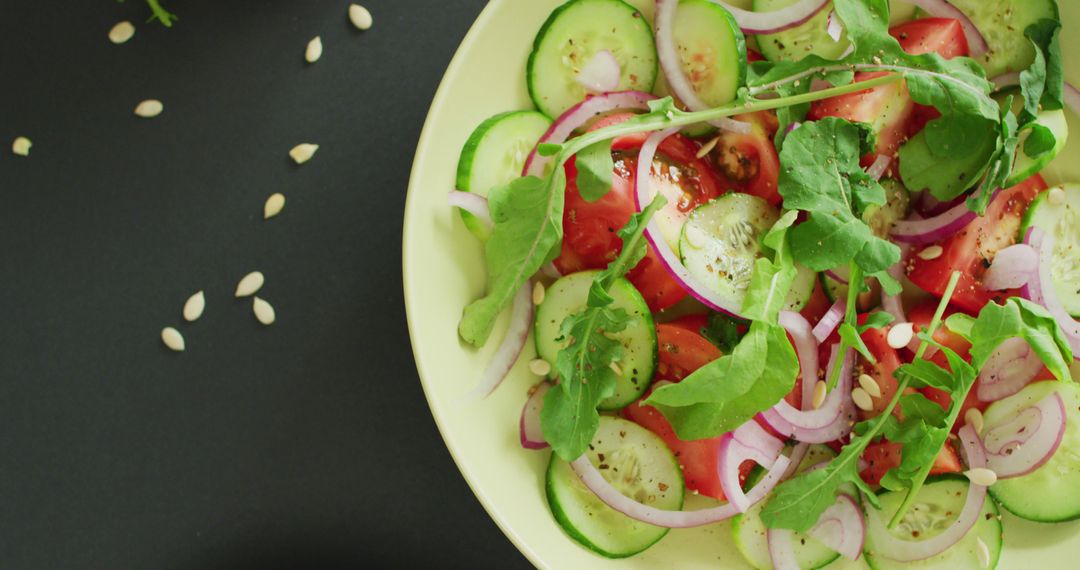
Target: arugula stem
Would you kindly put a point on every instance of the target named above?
(851, 317)
(939, 313)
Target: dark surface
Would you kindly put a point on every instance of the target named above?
(306, 444)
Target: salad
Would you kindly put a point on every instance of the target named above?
(801, 260)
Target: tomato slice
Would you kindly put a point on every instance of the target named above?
(884, 455)
(943, 36)
(818, 305)
(749, 160)
(888, 360)
(970, 250)
(681, 351)
(693, 323)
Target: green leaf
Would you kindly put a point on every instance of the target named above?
(771, 280)
(1042, 83)
(633, 251)
(1021, 318)
(875, 320)
(923, 373)
(159, 13)
(548, 149)
(722, 331)
(594, 170)
(851, 337)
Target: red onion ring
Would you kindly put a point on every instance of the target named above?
(806, 348)
(829, 321)
(1072, 98)
(829, 422)
(601, 73)
(1010, 367)
(576, 116)
(834, 27)
(937, 228)
(1028, 440)
(777, 20)
(878, 168)
(890, 546)
(474, 204)
(941, 9)
(1040, 288)
(750, 442)
(1011, 268)
(521, 320)
(782, 549)
(532, 435)
(841, 527)
(643, 195)
(611, 496)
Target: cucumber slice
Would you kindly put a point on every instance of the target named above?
(712, 50)
(897, 207)
(1062, 221)
(812, 37)
(1002, 23)
(750, 531)
(636, 462)
(1047, 494)
(833, 289)
(938, 504)
(495, 154)
(568, 296)
(720, 244)
(1025, 166)
(572, 35)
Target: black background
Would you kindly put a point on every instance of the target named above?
(306, 444)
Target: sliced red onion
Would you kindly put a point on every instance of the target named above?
(942, 9)
(1011, 268)
(601, 73)
(611, 496)
(643, 195)
(1010, 367)
(792, 127)
(830, 320)
(532, 436)
(841, 527)
(521, 321)
(474, 204)
(834, 28)
(764, 447)
(929, 206)
(750, 442)
(890, 546)
(777, 20)
(576, 117)
(806, 347)
(1040, 288)
(1011, 79)
(1072, 98)
(878, 168)
(937, 228)
(671, 65)
(1028, 440)
(829, 422)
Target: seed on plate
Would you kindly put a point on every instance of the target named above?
(974, 418)
(121, 32)
(149, 108)
(250, 284)
(21, 146)
(314, 50)
(932, 252)
(819, 394)
(263, 311)
(540, 367)
(360, 17)
(900, 335)
(273, 205)
(983, 553)
(981, 476)
(707, 147)
(862, 399)
(172, 339)
(614, 366)
(193, 308)
(871, 386)
(538, 293)
(1056, 196)
(303, 152)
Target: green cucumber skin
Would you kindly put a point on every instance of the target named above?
(1009, 49)
(538, 99)
(1024, 166)
(816, 26)
(736, 34)
(1072, 198)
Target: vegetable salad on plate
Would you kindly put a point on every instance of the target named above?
(801, 260)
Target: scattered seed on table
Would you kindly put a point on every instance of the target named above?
(871, 386)
(172, 339)
(900, 335)
(149, 108)
(193, 308)
(21, 146)
(273, 205)
(981, 476)
(250, 284)
(303, 152)
(263, 311)
(540, 367)
(360, 17)
(862, 399)
(121, 32)
(932, 252)
(314, 50)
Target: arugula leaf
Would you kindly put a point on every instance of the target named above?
(569, 418)
(722, 331)
(594, 167)
(1042, 84)
(850, 336)
(772, 278)
(1029, 321)
(729, 391)
(548, 149)
(158, 12)
(876, 320)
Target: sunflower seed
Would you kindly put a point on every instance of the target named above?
(981, 476)
(1056, 196)
(250, 284)
(273, 205)
(862, 399)
(707, 147)
(974, 418)
(172, 339)
(21, 146)
(263, 311)
(614, 366)
(870, 385)
(149, 108)
(193, 308)
(819, 394)
(303, 152)
(983, 553)
(360, 17)
(932, 252)
(314, 50)
(538, 293)
(900, 335)
(121, 32)
(540, 367)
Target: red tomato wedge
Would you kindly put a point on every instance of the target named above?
(970, 250)
(884, 455)
(749, 160)
(943, 36)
